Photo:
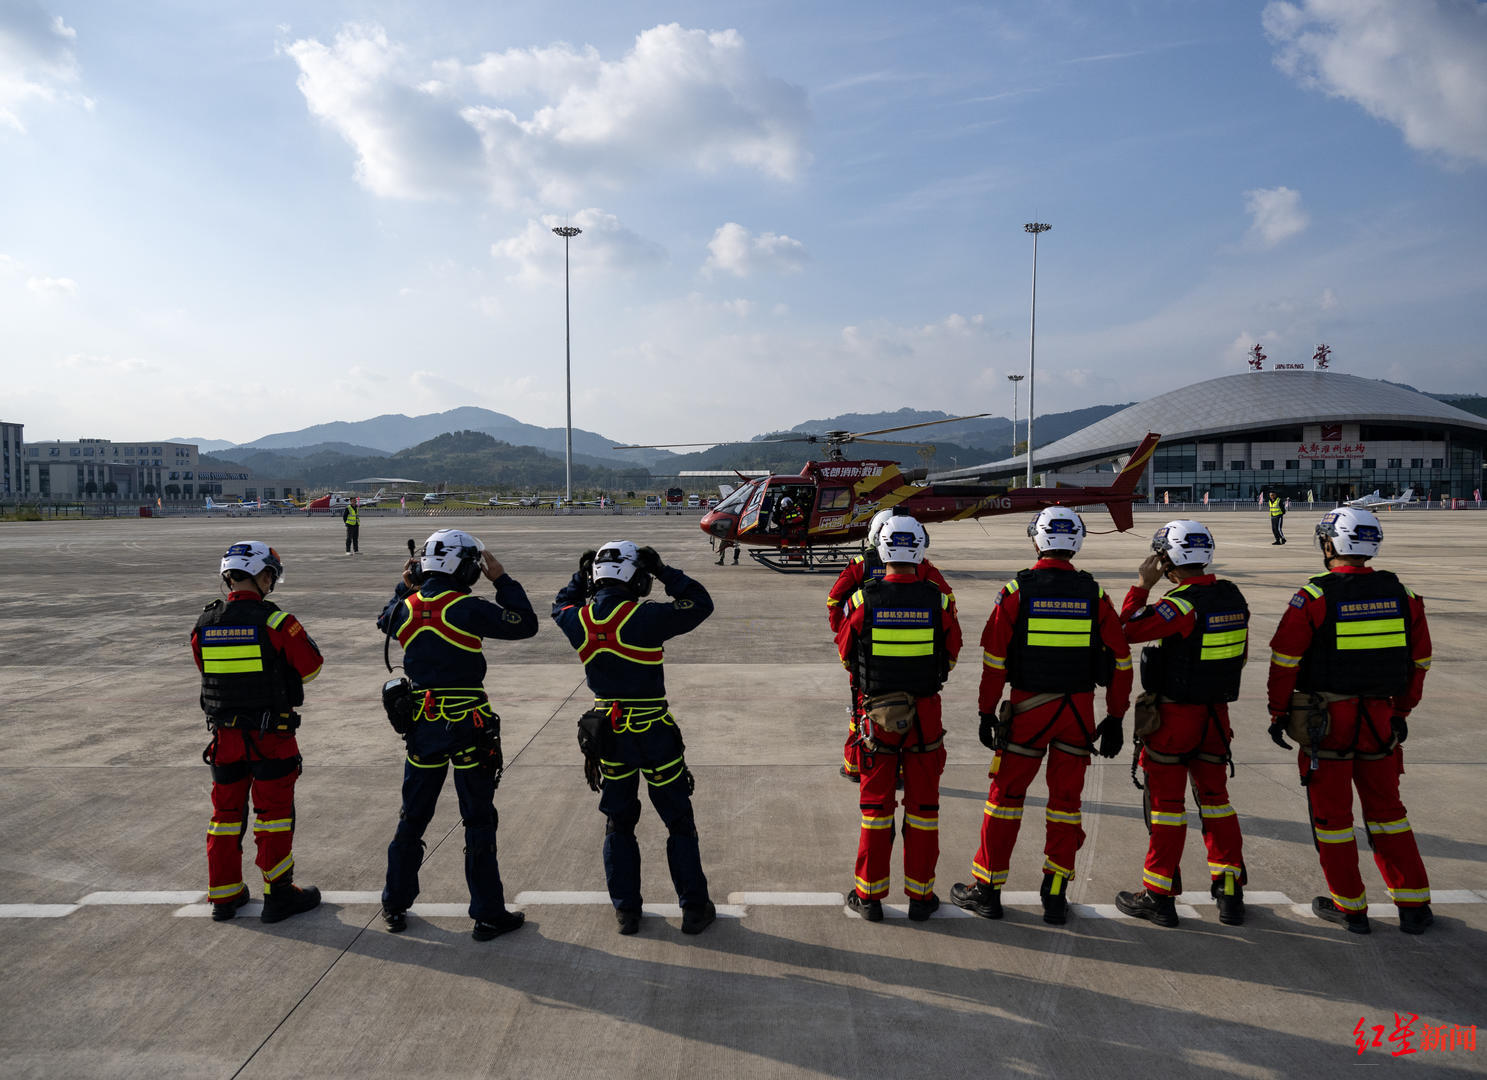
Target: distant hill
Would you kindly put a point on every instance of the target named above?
(461, 459)
(392, 432)
(1472, 403)
(206, 446)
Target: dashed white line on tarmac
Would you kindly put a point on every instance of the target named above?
(787, 899)
(96, 898)
(36, 911)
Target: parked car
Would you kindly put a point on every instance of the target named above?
(694, 502)
(653, 502)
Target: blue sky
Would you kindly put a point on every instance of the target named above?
(225, 220)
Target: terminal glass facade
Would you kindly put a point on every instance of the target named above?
(1334, 462)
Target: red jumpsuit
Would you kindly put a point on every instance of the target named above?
(921, 773)
(1360, 726)
(847, 583)
(1068, 725)
(234, 752)
(1185, 729)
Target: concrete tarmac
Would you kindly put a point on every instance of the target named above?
(109, 968)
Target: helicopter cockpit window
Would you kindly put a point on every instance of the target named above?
(751, 512)
(734, 502)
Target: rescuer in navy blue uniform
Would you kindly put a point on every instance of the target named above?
(619, 639)
(440, 626)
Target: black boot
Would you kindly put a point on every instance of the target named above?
(223, 910)
(396, 921)
(922, 908)
(504, 923)
(1356, 921)
(979, 898)
(1153, 907)
(698, 917)
(284, 898)
(1229, 893)
(871, 910)
(1055, 899)
(629, 921)
(1414, 920)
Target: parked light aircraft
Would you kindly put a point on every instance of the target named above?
(339, 500)
(1375, 501)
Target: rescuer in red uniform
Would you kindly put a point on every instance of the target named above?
(1054, 634)
(1203, 630)
(868, 565)
(1353, 645)
(900, 638)
(254, 661)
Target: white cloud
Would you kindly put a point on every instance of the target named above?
(36, 62)
(51, 286)
(605, 246)
(1421, 65)
(106, 365)
(734, 250)
(548, 123)
(1276, 215)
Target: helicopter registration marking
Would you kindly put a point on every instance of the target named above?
(838, 521)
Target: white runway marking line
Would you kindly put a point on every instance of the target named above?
(192, 903)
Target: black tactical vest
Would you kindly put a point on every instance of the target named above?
(1056, 645)
(902, 642)
(242, 672)
(1203, 667)
(1363, 646)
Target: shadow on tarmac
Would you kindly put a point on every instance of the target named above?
(843, 1012)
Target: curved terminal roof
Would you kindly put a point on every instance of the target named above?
(1234, 404)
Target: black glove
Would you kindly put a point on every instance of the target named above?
(987, 731)
(1278, 732)
(1110, 735)
(586, 564)
(1401, 728)
(650, 562)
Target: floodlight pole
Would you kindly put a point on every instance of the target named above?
(567, 232)
(1014, 380)
(1034, 227)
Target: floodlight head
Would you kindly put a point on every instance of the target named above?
(1036, 227)
(565, 231)
(1016, 378)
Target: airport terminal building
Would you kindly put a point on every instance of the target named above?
(1334, 435)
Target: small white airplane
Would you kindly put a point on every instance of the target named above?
(234, 509)
(1374, 501)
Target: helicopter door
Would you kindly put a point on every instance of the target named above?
(833, 508)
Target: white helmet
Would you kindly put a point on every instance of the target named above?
(876, 526)
(901, 539)
(1352, 531)
(1057, 528)
(452, 552)
(619, 560)
(1185, 543)
(252, 557)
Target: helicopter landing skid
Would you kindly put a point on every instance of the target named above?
(806, 560)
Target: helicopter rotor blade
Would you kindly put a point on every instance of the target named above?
(926, 423)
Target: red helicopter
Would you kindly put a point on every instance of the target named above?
(832, 502)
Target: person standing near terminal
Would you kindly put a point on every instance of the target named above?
(1055, 636)
(1347, 666)
(352, 518)
(900, 639)
(619, 637)
(867, 567)
(441, 628)
(1202, 627)
(254, 661)
(1277, 510)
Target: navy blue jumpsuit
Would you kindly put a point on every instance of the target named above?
(619, 641)
(441, 627)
